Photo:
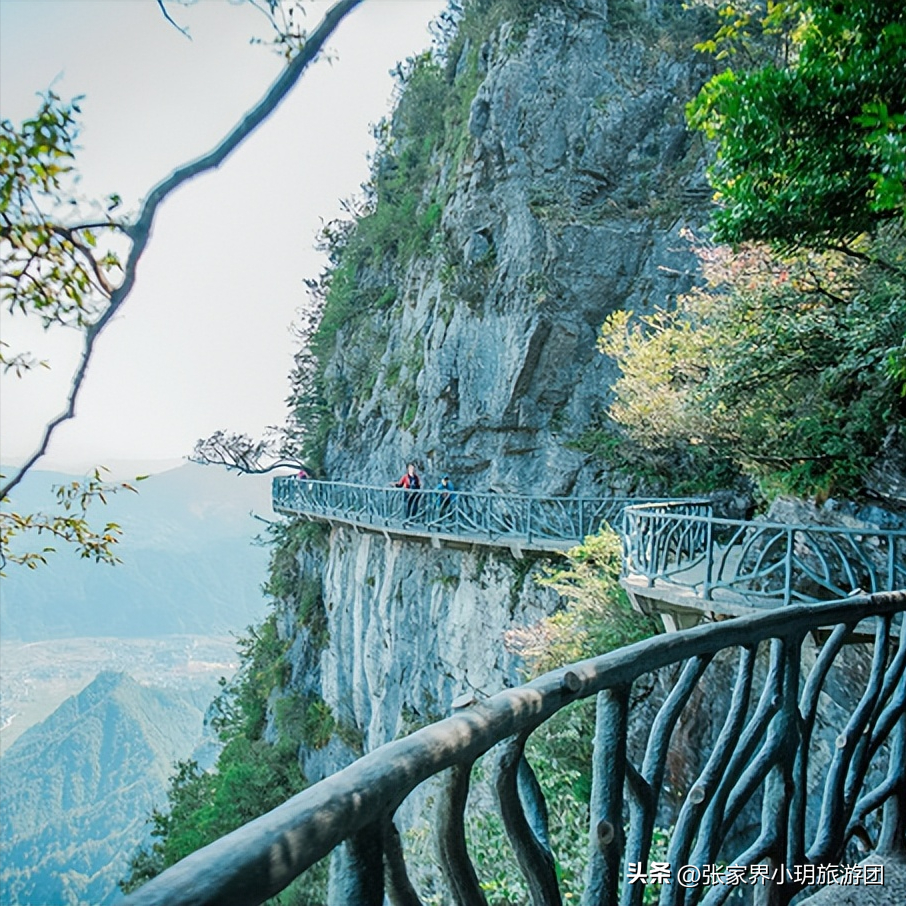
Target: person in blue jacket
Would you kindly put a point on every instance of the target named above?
(447, 495)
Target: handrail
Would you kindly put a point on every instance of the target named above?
(758, 563)
(546, 523)
(764, 748)
(668, 543)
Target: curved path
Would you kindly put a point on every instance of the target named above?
(678, 559)
(681, 561)
(497, 520)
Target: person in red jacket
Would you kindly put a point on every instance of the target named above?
(412, 483)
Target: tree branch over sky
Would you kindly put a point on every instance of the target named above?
(138, 232)
(240, 453)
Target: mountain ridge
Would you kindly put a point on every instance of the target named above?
(78, 786)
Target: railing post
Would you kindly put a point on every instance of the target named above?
(893, 826)
(452, 852)
(788, 568)
(606, 806)
(357, 870)
(709, 557)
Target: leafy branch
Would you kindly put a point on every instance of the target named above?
(69, 526)
(71, 278)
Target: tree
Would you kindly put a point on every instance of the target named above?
(811, 146)
(64, 268)
(241, 453)
(779, 366)
(597, 617)
(788, 364)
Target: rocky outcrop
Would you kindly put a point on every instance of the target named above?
(568, 199)
(411, 627)
(569, 202)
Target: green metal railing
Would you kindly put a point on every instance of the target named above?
(496, 519)
(667, 543)
(760, 761)
(759, 563)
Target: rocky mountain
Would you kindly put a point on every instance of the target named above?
(568, 194)
(563, 193)
(533, 179)
(77, 788)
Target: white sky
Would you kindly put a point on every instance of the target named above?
(203, 342)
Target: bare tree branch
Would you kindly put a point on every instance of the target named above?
(239, 453)
(179, 28)
(140, 231)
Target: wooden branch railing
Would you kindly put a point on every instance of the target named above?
(761, 758)
(759, 564)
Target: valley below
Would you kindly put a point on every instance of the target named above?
(37, 677)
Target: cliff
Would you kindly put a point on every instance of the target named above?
(535, 177)
(466, 340)
(560, 197)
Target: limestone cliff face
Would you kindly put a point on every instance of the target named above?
(577, 179)
(411, 627)
(568, 202)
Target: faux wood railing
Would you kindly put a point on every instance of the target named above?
(543, 523)
(760, 564)
(760, 760)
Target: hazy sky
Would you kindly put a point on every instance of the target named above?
(204, 341)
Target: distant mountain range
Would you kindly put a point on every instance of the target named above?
(189, 562)
(77, 789)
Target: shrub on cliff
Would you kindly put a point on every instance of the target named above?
(780, 365)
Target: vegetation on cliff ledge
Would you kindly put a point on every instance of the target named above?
(789, 363)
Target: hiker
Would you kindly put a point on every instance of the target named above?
(447, 494)
(412, 483)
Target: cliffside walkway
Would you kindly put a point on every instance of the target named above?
(679, 560)
(520, 523)
(683, 562)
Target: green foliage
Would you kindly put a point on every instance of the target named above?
(560, 754)
(305, 719)
(70, 525)
(48, 266)
(481, 18)
(251, 778)
(896, 366)
(812, 143)
(597, 617)
(296, 591)
(409, 415)
(318, 723)
(782, 366)
(395, 221)
(628, 16)
(241, 708)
